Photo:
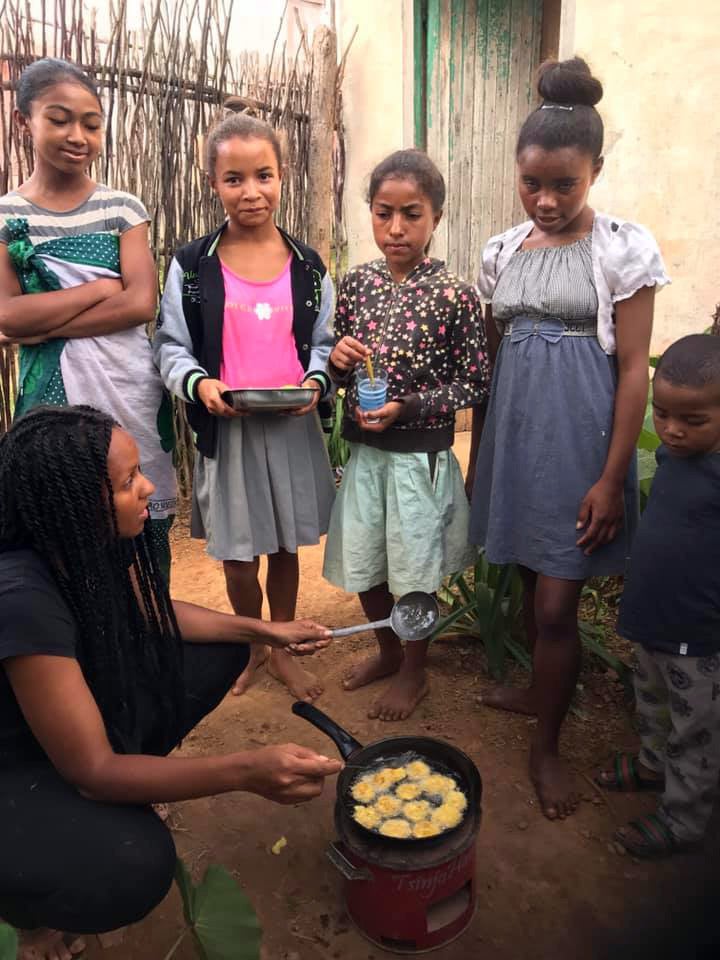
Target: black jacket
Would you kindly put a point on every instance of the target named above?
(188, 340)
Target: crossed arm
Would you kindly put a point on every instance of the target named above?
(92, 309)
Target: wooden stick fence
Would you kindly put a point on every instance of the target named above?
(162, 82)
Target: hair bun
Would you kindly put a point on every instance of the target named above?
(569, 82)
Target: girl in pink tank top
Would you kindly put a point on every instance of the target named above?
(249, 306)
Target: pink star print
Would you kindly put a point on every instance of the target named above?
(441, 330)
(411, 325)
(473, 369)
(444, 408)
(383, 349)
(372, 325)
(377, 282)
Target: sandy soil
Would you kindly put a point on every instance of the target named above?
(545, 889)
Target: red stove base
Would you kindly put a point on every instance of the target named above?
(414, 911)
(407, 900)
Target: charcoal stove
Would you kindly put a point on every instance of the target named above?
(409, 899)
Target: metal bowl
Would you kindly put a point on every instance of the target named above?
(269, 400)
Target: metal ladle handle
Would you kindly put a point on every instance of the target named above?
(361, 628)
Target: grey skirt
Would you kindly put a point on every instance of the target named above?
(268, 487)
(544, 444)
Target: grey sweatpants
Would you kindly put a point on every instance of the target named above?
(678, 719)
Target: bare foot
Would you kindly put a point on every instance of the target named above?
(372, 669)
(47, 944)
(554, 784)
(302, 684)
(512, 699)
(258, 657)
(401, 697)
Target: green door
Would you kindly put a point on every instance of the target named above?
(475, 62)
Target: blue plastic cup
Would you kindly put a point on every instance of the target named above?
(372, 394)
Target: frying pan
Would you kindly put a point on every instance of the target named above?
(437, 752)
(414, 617)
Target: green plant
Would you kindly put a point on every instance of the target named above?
(647, 444)
(338, 447)
(8, 942)
(486, 603)
(219, 917)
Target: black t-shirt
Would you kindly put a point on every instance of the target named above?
(671, 600)
(34, 619)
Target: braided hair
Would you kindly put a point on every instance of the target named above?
(56, 498)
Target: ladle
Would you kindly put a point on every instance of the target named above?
(414, 617)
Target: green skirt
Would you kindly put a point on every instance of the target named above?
(400, 518)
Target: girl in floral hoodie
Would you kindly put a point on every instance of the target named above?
(400, 521)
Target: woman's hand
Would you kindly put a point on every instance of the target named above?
(309, 407)
(299, 637)
(601, 514)
(286, 773)
(375, 421)
(209, 393)
(348, 353)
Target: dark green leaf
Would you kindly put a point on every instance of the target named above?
(464, 589)
(453, 618)
(226, 925)
(8, 942)
(187, 891)
(592, 637)
(483, 604)
(518, 652)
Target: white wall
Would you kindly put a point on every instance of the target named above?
(377, 106)
(659, 64)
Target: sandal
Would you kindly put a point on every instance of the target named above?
(657, 841)
(626, 778)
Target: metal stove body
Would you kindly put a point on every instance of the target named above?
(407, 898)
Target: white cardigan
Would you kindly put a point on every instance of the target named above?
(625, 258)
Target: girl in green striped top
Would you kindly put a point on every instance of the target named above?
(81, 249)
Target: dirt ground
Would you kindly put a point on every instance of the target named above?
(545, 889)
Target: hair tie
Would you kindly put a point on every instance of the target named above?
(555, 106)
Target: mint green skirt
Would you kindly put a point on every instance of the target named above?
(400, 518)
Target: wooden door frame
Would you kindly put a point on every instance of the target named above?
(552, 16)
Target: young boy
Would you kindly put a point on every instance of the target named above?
(670, 609)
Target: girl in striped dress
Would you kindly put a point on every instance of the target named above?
(81, 249)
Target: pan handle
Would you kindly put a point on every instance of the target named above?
(345, 743)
